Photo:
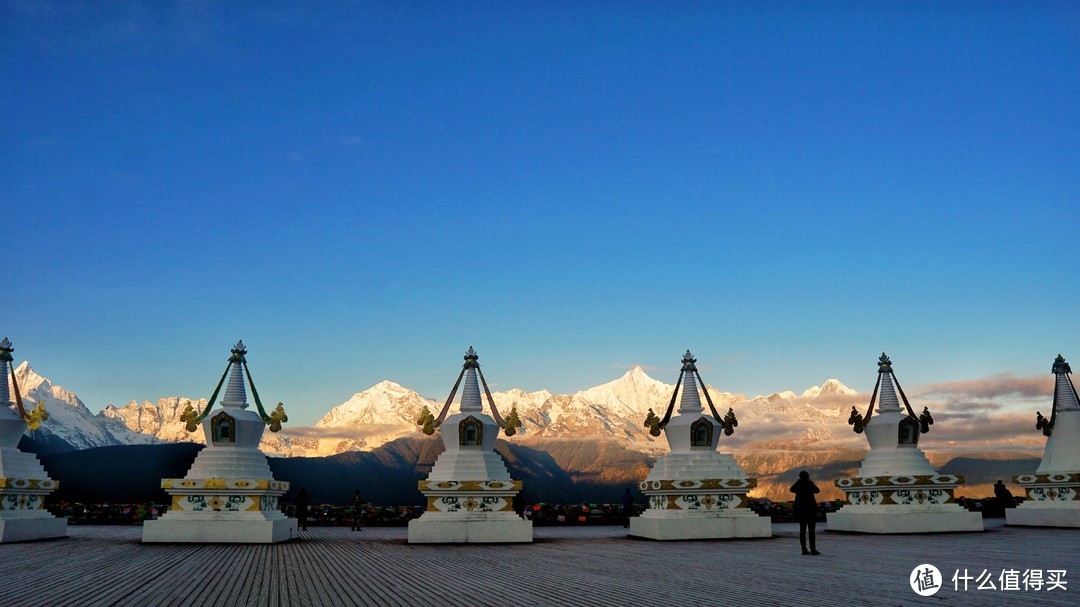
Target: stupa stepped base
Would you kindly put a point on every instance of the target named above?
(460, 512)
(469, 464)
(903, 519)
(22, 510)
(903, 504)
(688, 509)
(230, 463)
(884, 462)
(707, 526)
(500, 528)
(219, 529)
(697, 465)
(223, 511)
(1046, 516)
(31, 528)
(16, 464)
(1053, 500)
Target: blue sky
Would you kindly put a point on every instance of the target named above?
(361, 191)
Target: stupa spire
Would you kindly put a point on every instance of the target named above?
(235, 393)
(470, 395)
(690, 402)
(1064, 391)
(470, 399)
(5, 358)
(888, 399)
(35, 416)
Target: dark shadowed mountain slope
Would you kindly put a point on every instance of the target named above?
(555, 471)
(122, 474)
(980, 471)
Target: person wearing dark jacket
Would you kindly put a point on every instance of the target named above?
(806, 510)
(356, 504)
(627, 507)
(1004, 495)
(302, 503)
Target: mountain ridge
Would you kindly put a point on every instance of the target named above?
(387, 410)
(593, 437)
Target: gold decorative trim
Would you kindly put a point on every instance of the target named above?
(900, 481)
(697, 502)
(426, 485)
(28, 483)
(245, 484)
(913, 495)
(1069, 478)
(714, 484)
(469, 503)
(1053, 493)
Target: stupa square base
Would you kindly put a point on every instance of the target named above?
(509, 530)
(1044, 516)
(898, 519)
(700, 527)
(1053, 500)
(29, 529)
(222, 530)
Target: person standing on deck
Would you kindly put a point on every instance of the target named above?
(357, 504)
(627, 507)
(806, 510)
(302, 503)
(1004, 496)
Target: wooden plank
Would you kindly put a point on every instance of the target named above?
(588, 566)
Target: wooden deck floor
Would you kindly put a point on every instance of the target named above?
(590, 566)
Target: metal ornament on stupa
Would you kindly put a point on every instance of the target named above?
(896, 490)
(696, 492)
(1053, 492)
(23, 481)
(470, 495)
(229, 495)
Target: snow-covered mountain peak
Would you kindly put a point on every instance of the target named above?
(634, 392)
(70, 420)
(385, 387)
(636, 377)
(384, 403)
(35, 387)
(29, 380)
(831, 386)
(387, 410)
(540, 395)
(785, 395)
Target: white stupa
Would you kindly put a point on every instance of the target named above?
(896, 490)
(470, 495)
(229, 494)
(1053, 492)
(23, 482)
(696, 492)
